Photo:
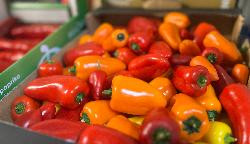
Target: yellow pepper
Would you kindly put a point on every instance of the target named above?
(137, 120)
(85, 38)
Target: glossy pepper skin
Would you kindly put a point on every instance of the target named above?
(124, 54)
(17, 44)
(97, 134)
(68, 91)
(162, 48)
(62, 129)
(188, 47)
(49, 68)
(177, 18)
(191, 116)
(4, 64)
(22, 105)
(102, 33)
(235, 99)
(213, 55)
(191, 80)
(139, 23)
(137, 120)
(134, 96)
(149, 66)
(29, 118)
(98, 83)
(89, 48)
(48, 111)
(178, 59)
(210, 101)
(240, 73)
(85, 65)
(69, 114)
(159, 126)
(219, 133)
(97, 112)
(11, 56)
(122, 124)
(229, 50)
(85, 39)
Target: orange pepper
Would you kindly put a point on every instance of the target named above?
(97, 112)
(240, 73)
(67, 71)
(165, 86)
(229, 50)
(125, 126)
(86, 64)
(210, 101)
(200, 60)
(85, 38)
(108, 45)
(102, 33)
(191, 116)
(170, 33)
(177, 18)
(134, 96)
(106, 55)
(188, 47)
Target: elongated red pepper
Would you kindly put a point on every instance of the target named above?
(89, 48)
(70, 92)
(62, 129)
(180, 59)
(124, 54)
(4, 64)
(49, 68)
(162, 48)
(23, 45)
(159, 127)
(224, 79)
(235, 99)
(191, 80)
(139, 23)
(69, 114)
(148, 67)
(33, 30)
(11, 56)
(97, 134)
(139, 42)
(213, 55)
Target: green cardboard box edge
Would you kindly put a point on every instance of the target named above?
(17, 72)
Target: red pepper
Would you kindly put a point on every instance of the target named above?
(148, 67)
(29, 118)
(6, 24)
(159, 127)
(162, 48)
(4, 64)
(49, 68)
(213, 55)
(69, 91)
(22, 45)
(48, 111)
(69, 114)
(235, 99)
(139, 23)
(98, 83)
(180, 59)
(89, 48)
(97, 134)
(224, 79)
(11, 56)
(22, 105)
(139, 42)
(33, 30)
(62, 129)
(191, 80)
(201, 31)
(124, 54)
(185, 34)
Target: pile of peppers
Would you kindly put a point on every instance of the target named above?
(152, 82)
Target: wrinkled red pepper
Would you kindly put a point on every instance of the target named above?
(11, 56)
(139, 42)
(69, 114)
(139, 23)
(178, 59)
(69, 91)
(49, 68)
(213, 55)
(62, 129)
(22, 45)
(235, 99)
(191, 80)
(162, 48)
(124, 54)
(148, 67)
(97, 134)
(159, 127)
(90, 48)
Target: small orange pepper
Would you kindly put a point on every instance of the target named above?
(67, 71)
(191, 116)
(137, 120)
(106, 55)
(134, 96)
(240, 73)
(165, 86)
(85, 38)
(102, 33)
(177, 18)
(188, 47)
(97, 112)
(170, 33)
(229, 50)
(210, 101)
(200, 60)
(125, 126)
(86, 64)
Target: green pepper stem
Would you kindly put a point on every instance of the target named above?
(20, 108)
(202, 81)
(80, 97)
(135, 46)
(85, 118)
(161, 136)
(116, 54)
(192, 125)
(72, 69)
(212, 58)
(228, 139)
(212, 115)
(107, 92)
(120, 37)
(50, 61)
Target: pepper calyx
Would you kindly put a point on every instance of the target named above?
(72, 69)
(50, 61)
(212, 115)
(20, 108)
(161, 135)
(212, 58)
(135, 47)
(85, 118)
(228, 139)
(192, 125)
(202, 81)
(120, 37)
(107, 92)
(80, 97)
(116, 54)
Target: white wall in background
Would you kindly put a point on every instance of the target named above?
(3, 10)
